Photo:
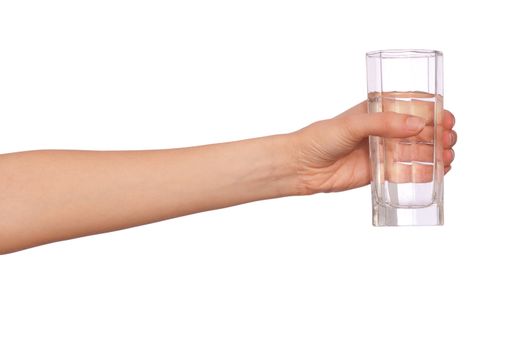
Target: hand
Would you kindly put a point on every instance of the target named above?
(333, 155)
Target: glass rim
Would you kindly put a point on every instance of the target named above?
(403, 53)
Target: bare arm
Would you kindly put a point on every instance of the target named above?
(52, 195)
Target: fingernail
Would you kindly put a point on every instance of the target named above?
(415, 123)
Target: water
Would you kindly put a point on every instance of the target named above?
(408, 172)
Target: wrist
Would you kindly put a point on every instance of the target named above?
(283, 174)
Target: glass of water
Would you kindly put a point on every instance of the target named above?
(407, 173)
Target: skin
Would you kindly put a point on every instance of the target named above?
(53, 195)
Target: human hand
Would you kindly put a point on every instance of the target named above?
(333, 155)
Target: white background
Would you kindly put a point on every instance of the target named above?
(292, 273)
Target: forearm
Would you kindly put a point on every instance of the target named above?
(53, 195)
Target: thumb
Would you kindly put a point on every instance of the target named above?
(385, 124)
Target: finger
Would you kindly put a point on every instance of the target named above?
(448, 156)
(385, 124)
(449, 138)
(447, 169)
(427, 134)
(405, 151)
(415, 172)
(423, 109)
(448, 120)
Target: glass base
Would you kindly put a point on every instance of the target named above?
(390, 216)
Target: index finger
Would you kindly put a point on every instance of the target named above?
(448, 120)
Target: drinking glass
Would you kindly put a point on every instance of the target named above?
(407, 173)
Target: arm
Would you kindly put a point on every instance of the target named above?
(53, 195)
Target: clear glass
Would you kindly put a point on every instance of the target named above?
(407, 173)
